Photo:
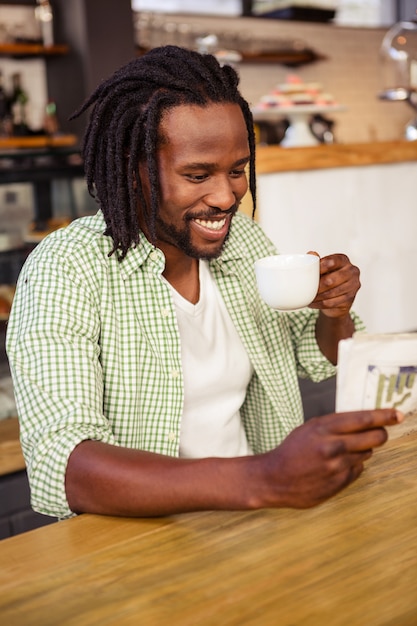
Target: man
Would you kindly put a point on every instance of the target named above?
(150, 377)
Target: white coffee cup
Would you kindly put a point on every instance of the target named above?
(288, 281)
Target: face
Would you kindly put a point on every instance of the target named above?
(201, 161)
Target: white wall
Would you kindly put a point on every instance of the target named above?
(367, 212)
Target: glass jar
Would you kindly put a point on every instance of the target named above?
(398, 55)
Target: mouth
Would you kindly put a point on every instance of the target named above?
(213, 225)
(212, 230)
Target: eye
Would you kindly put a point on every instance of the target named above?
(196, 178)
(237, 173)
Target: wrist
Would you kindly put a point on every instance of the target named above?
(261, 487)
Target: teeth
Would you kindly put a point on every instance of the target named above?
(212, 225)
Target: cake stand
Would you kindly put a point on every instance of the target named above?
(298, 133)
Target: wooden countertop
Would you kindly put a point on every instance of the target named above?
(352, 560)
(279, 159)
(11, 457)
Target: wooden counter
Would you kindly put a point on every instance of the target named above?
(278, 159)
(11, 457)
(37, 141)
(350, 561)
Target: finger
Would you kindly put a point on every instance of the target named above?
(346, 470)
(359, 421)
(353, 459)
(332, 262)
(346, 278)
(333, 300)
(336, 275)
(364, 441)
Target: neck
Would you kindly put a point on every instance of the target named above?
(182, 272)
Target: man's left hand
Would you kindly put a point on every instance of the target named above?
(339, 284)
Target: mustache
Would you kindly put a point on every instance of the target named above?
(214, 212)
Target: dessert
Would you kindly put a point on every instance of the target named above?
(295, 93)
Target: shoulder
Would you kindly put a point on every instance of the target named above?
(82, 239)
(76, 253)
(84, 233)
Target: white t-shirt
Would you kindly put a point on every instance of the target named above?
(217, 371)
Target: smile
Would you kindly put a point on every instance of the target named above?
(211, 224)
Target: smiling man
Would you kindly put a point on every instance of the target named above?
(150, 377)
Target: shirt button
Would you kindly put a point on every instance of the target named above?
(175, 373)
(165, 312)
(172, 437)
(154, 255)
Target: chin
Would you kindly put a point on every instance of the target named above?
(206, 253)
(209, 252)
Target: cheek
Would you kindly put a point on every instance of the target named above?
(177, 195)
(241, 187)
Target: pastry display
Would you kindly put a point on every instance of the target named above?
(294, 92)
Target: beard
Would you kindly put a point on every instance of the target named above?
(181, 239)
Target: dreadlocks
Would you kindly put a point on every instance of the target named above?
(123, 130)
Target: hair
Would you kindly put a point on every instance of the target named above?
(122, 131)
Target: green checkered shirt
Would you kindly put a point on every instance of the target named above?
(95, 353)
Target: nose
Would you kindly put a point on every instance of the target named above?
(222, 195)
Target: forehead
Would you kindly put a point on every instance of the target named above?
(204, 128)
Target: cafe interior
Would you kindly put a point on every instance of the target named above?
(332, 86)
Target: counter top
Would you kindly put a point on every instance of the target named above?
(272, 159)
(11, 457)
(352, 560)
(36, 142)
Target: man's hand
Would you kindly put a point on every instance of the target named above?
(339, 284)
(313, 463)
(323, 456)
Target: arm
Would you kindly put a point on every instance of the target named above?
(339, 283)
(314, 462)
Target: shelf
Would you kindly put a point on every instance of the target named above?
(288, 58)
(31, 49)
(37, 141)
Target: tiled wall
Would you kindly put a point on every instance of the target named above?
(351, 71)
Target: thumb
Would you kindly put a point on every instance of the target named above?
(312, 252)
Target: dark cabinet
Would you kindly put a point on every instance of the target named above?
(16, 515)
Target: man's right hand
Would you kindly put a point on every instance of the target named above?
(314, 462)
(321, 457)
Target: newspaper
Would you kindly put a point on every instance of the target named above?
(379, 371)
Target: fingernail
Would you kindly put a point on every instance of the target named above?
(399, 416)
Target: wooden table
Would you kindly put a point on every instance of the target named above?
(351, 561)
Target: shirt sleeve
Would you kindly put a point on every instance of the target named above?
(53, 350)
(311, 362)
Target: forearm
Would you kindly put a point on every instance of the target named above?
(315, 461)
(330, 330)
(110, 480)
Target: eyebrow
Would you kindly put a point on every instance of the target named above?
(203, 165)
